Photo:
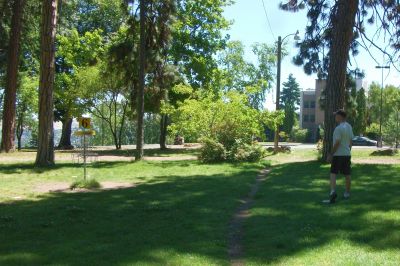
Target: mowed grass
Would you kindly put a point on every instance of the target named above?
(289, 225)
(178, 214)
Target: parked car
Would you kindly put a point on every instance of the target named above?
(364, 141)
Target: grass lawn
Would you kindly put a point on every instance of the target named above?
(178, 215)
(290, 226)
(179, 211)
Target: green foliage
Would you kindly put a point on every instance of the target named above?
(197, 35)
(299, 135)
(27, 105)
(360, 124)
(390, 112)
(91, 15)
(74, 52)
(244, 152)
(212, 151)
(373, 131)
(226, 119)
(85, 184)
(273, 119)
(290, 99)
(105, 96)
(237, 74)
(314, 54)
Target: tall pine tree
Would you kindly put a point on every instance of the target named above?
(339, 28)
(290, 99)
(45, 153)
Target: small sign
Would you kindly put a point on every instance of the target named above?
(84, 122)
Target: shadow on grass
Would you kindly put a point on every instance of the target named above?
(288, 216)
(20, 168)
(147, 152)
(175, 220)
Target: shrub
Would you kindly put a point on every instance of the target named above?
(243, 152)
(388, 152)
(212, 151)
(283, 136)
(299, 135)
(373, 131)
(281, 149)
(85, 184)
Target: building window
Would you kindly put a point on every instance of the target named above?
(312, 104)
(312, 118)
(306, 118)
(306, 104)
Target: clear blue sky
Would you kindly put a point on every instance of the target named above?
(250, 26)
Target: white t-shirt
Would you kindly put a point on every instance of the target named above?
(343, 133)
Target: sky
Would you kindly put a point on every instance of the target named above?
(250, 26)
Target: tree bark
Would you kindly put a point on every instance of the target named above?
(20, 127)
(140, 100)
(10, 94)
(163, 131)
(45, 154)
(65, 141)
(343, 21)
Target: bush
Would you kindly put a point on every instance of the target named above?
(85, 184)
(281, 149)
(373, 131)
(242, 152)
(389, 152)
(299, 135)
(212, 151)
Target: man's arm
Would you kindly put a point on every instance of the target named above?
(335, 147)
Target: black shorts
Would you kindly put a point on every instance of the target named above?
(341, 165)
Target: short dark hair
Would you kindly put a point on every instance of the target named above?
(341, 112)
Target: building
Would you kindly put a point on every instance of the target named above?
(311, 115)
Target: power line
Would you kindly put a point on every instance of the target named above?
(266, 15)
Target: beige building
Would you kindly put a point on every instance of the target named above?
(311, 114)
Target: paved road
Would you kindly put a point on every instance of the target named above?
(313, 146)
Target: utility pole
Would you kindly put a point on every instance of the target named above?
(278, 81)
(278, 89)
(380, 142)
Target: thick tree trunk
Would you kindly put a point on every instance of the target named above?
(163, 131)
(45, 154)
(10, 94)
(343, 23)
(140, 102)
(65, 141)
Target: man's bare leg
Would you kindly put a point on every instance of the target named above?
(333, 182)
(348, 186)
(333, 194)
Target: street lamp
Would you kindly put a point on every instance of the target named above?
(278, 80)
(380, 142)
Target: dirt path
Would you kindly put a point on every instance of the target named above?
(235, 237)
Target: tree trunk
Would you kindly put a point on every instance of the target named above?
(65, 141)
(20, 130)
(10, 94)
(140, 102)
(163, 131)
(342, 30)
(45, 154)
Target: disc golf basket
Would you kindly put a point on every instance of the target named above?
(85, 153)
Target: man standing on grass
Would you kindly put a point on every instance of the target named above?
(340, 158)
